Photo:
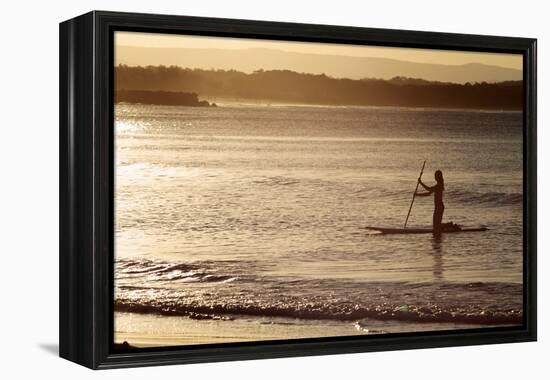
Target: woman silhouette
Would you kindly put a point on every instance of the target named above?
(438, 199)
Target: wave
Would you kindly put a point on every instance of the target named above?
(403, 313)
(236, 288)
(485, 199)
(456, 198)
(276, 181)
(151, 271)
(464, 197)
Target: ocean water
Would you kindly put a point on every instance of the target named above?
(258, 213)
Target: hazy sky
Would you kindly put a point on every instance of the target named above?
(444, 57)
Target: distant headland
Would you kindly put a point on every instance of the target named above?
(160, 84)
(169, 98)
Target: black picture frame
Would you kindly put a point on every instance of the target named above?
(86, 188)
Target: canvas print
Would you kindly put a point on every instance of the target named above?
(272, 190)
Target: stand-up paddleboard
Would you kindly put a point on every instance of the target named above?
(387, 231)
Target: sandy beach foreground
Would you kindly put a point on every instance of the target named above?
(150, 330)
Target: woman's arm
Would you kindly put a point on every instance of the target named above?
(428, 188)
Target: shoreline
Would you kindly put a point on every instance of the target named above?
(220, 102)
(152, 330)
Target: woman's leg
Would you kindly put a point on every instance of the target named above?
(437, 218)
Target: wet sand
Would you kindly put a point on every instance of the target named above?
(150, 330)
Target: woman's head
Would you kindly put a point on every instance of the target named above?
(439, 177)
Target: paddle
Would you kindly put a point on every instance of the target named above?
(414, 194)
